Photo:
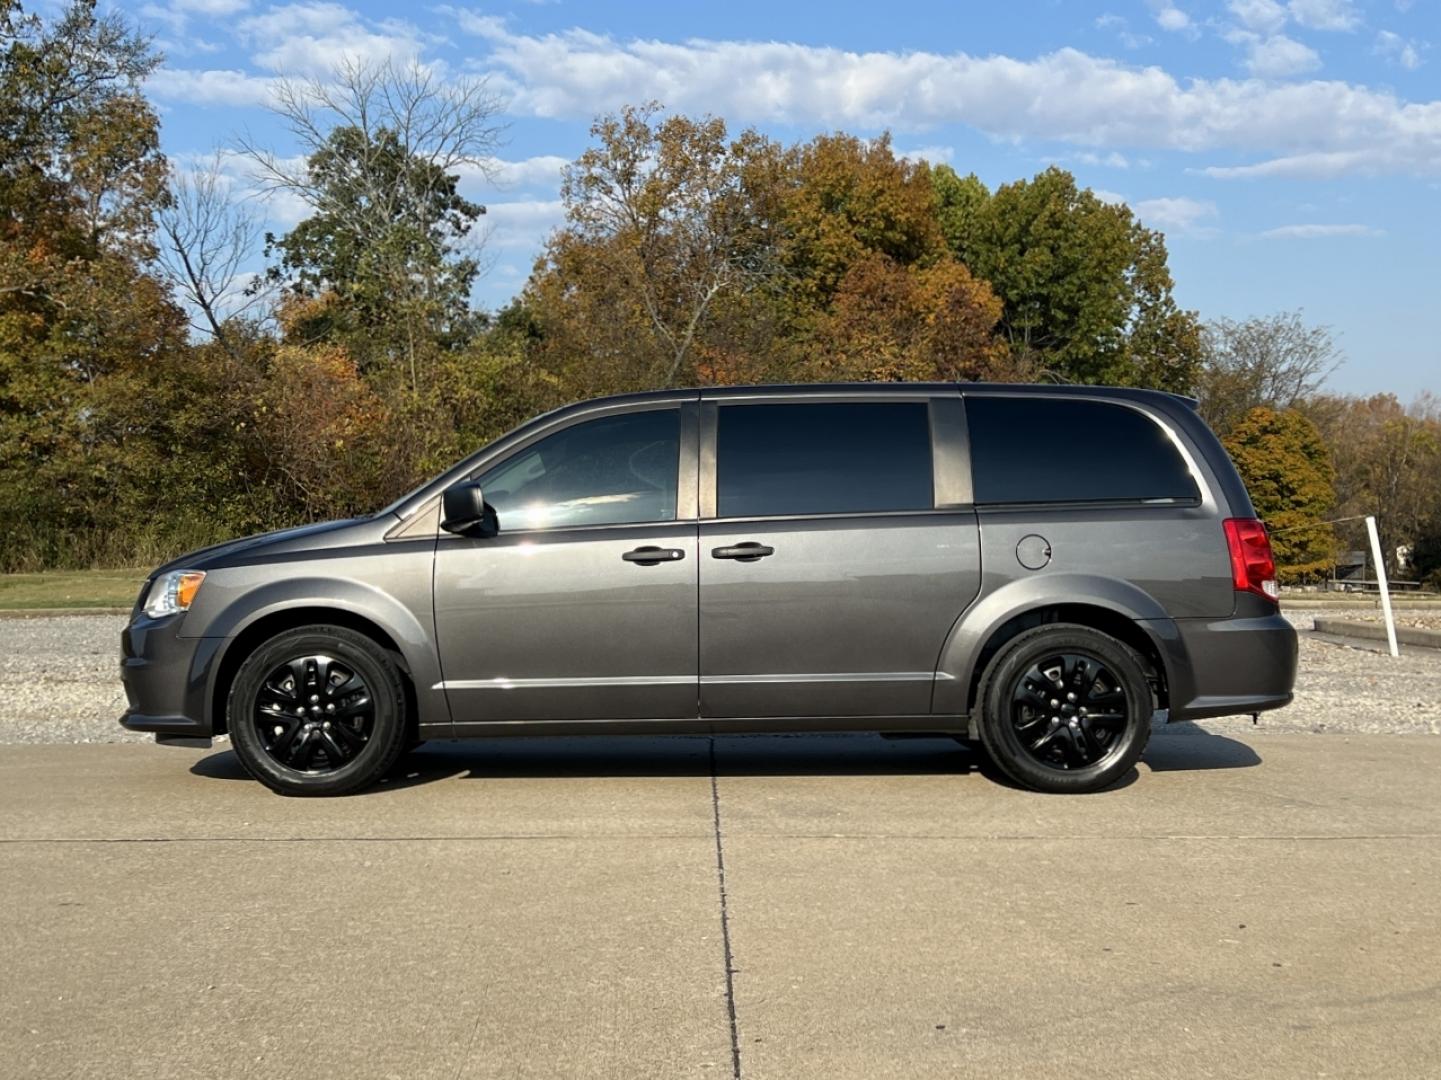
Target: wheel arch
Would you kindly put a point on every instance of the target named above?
(264, 626)
(1116, 608)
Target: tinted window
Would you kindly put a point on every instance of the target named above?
(822, 459)
(1055, 450)
(602, 472)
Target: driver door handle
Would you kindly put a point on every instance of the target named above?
(653, 556)
(749, 551)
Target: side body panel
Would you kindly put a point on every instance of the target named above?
(557, 626)
(847, 616)
(844, 619)
(1175, 555)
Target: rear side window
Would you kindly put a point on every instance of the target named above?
(1028, 450)
(823, 459)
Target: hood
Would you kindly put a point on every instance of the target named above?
(296, 539)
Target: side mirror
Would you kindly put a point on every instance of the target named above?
(463, 508)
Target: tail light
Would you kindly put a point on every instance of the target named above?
(1253, 567)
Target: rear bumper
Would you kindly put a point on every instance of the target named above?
(165, 679)
(1236, 666)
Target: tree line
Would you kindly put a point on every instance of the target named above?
(154, 396)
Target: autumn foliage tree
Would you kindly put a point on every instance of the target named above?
(665, 222)
(888, 323)
(1086, 288)
(845, 200)
(1388, 463)
(1288, 472)
(95, 384)
(688, 255)
(1272, 361)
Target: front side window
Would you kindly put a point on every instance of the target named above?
(1042, 450)
(824, 458)
(611, 471)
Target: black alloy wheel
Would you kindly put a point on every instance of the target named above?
(1068, 710)
(313, 713)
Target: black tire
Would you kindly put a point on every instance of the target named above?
(317, 710)
(1072, 742)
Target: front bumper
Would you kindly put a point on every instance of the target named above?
(165, 678)
(1236, 666)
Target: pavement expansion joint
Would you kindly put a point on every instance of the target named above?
(730, 969)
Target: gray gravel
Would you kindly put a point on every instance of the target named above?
(59, 682)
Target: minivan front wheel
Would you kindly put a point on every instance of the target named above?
(1065, 708)
(317, 710)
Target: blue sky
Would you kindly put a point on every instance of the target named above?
(1290, 151)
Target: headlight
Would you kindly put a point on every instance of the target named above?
(173, 592)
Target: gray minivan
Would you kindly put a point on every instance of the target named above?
(1039, 568)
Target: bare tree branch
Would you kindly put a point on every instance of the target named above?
(447, 124)
(206, 238)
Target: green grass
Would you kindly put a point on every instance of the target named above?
(78, 589)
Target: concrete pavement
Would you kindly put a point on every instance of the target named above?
(1250, 905)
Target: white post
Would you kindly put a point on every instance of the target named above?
(1381, 580)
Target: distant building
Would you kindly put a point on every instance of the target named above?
(1350, 565)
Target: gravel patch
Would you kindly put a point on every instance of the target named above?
(60, 680)
(60, 683)
(1420, 622)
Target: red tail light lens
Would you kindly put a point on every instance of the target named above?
(1253, 567)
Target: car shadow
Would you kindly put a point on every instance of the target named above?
(642, 756)
(679, 756)
(1185, 747)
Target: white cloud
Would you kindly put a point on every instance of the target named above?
(185, 45)
(314, 37)
(210, 7)
(541, 171)
(1113, 160)
(1169, 17)
(1320, 232)
(1321, 166)
(1397, 50)
(1129, 38)
(936, 155)
(1261, 16)
(522, 224)
(1177, 214)
(176, 15)
(1279, 56)
(1067, 95)
(1105, 196)
(213, 87)
(1325, 14)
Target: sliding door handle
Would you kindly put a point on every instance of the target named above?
(652, 556)
(749, 551)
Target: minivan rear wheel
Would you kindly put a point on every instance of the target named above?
(317, 710)
(1065, 708)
